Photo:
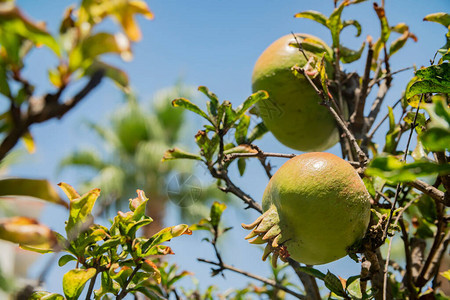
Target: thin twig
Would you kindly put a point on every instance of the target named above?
(361, 155)
(125, 291)
(91, 286)
(428, 189)
(376, 127)
(397, 191)
(357, 118)
(256, 277)
(404, 159)
(41, 112)
(381, 78)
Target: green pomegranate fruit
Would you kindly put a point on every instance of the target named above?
(292, 112)
(315, 207)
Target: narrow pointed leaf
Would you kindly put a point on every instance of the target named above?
(313, 15)
(249, 102)
(37, 188)
(185, 103)
(353, 23)
(177, 153)
(349, 56)
(441, 18)
(216, 213)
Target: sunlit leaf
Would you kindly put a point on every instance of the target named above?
(334, 23)
(385, 29)
(14, 22)
(37, 188)
(45, 296)
(80, 210)
(28, 141)
(445, 274)
(391, 168)
(213, 104)
(440, 17)
(185, 103)
(27, 231)
(216, 213)
(177, 153)
(74, 281)
(88, 50)
(355, 24)
(313, 15)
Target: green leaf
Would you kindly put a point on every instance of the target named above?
(45, 296)
(313, 15)
(4, 85)
(176, 153)
(436, 73)
(349, 56)
(323, 75)
(436, 139)
(398, 43)
(427, 86)
(258, 131)
(164, 235)
(369, 186)
(241, 166)
(440, 17)
(334, 23)
(420, 120)
(355, 24)
(88, 50)
(390, 168)
(437, 135)
(213, 104)
(185, 103)
(14, 22)
(74, 281)
(435, 79)
(311, 271)
(80, 211)
(63, 260)
(216, 213)
(333, 283)
(353, 287)
(241, 130)
(249, 102)
(37, 188)
(385, 29)
(115, 74)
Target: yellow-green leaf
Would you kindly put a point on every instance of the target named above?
(37, 188)
(74, 281)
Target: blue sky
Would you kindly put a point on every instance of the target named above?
(212, 43)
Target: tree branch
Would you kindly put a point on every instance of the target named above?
(42, 110)
(309, 282)
(256, 277)
(428, 189)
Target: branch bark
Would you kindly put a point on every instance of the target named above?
(256, 277)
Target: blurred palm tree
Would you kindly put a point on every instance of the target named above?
(135, 140)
